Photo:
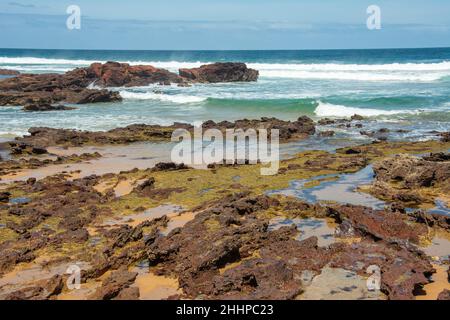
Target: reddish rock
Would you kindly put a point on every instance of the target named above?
(257, 279)
(379, 224)
(114, 285)
(403, 270)
(220, 72)
(43, 290)
(114, 74)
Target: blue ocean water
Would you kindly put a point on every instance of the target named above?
(406, 88)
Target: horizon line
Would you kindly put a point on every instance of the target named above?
(161, 50)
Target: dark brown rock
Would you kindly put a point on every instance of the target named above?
(114, 74)
(327, 134)
(4, 196)
(257, 279)
(114, 285)
(379, 224)
(356, 117)
(169, 166)
(220, 72)
(45, 107)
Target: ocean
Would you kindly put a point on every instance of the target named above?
(396, 88)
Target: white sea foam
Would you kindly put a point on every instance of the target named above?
(78, 62)
(332, 110)
(43, 61)
(353, 76)
(161, 97)
(441, 66)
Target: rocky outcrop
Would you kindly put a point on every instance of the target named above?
(412, 180)
(288, 130)
(410, 171)
(114, 285)
(41, 291)
(115, 74)
(77, 95)
(220, 72)
(44, 137)
(75, 86)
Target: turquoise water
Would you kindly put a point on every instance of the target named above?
(408, 89)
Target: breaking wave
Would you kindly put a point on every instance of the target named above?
(331, 110)
(161, 97)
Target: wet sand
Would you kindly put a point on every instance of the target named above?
(439, 284)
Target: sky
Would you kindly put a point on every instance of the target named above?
(224, 24)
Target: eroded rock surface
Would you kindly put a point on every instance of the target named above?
(412, 180)
(220, 72)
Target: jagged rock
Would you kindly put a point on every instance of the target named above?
(42, 291)
(114, 74)
(146, 186)
(114, 285)
(379, 224)
(257, 279)
(326, 121)
(445, 136)
(169, 166)
(220, 72)
(412, 171)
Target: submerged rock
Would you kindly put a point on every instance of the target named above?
(45, 107)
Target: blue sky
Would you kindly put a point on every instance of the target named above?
(224, 24)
